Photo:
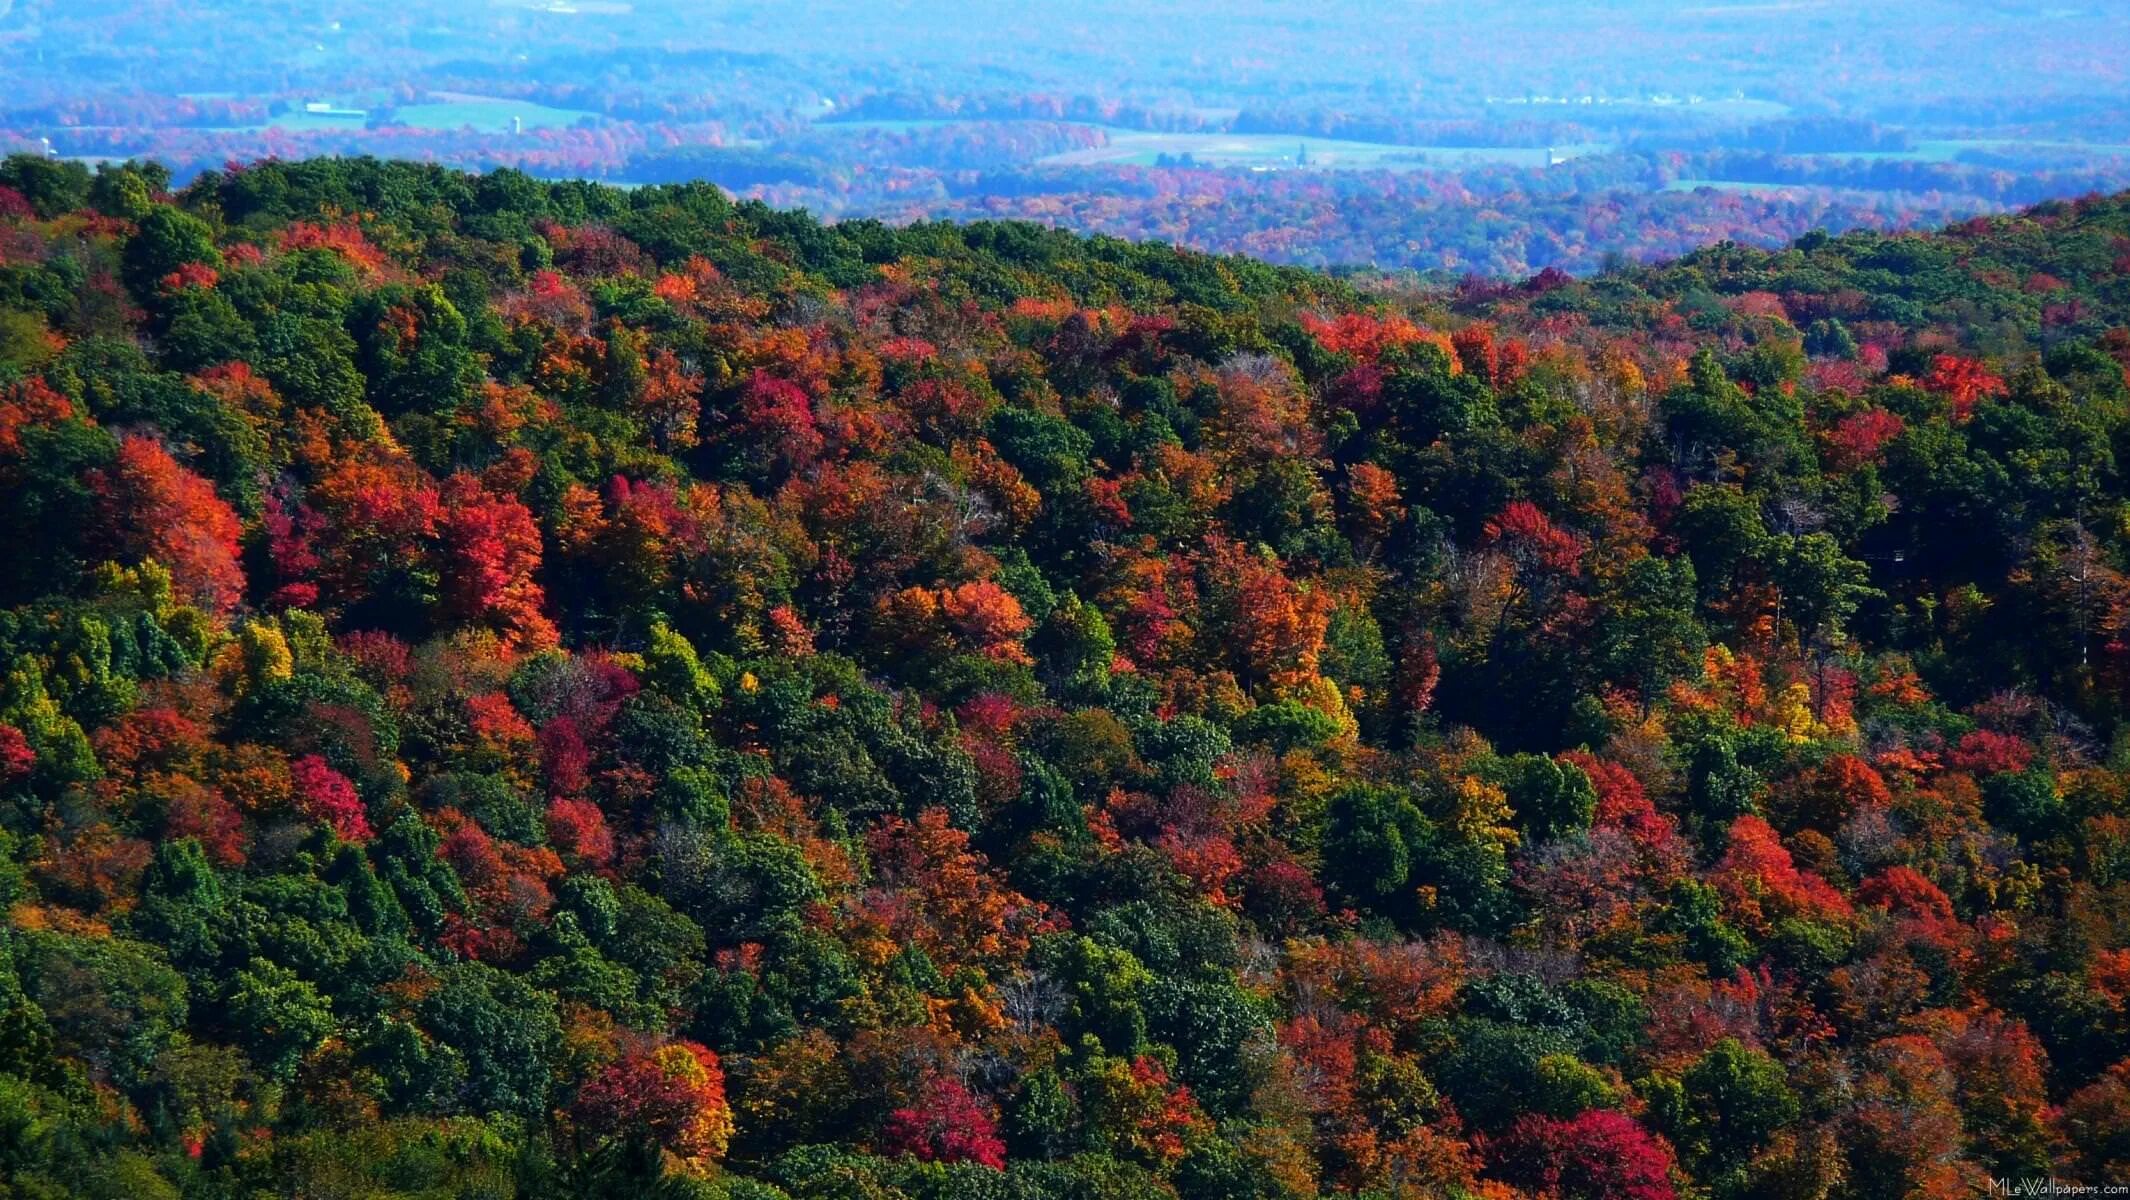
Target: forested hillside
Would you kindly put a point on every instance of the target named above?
(524, 689)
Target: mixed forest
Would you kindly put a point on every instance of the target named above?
(513, 688)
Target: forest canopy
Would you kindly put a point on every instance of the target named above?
(513, 688)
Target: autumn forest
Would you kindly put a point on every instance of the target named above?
(514, 688)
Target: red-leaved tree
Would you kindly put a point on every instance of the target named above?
(947, 1124)
(153, 508)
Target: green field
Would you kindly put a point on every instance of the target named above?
(447, 110)
(486, 113)
(1950, 149)
(1275, 151)
(1266, 151)
(1939, 150)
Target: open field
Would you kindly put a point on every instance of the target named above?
(1950, 149)
(1275, 151)
(1262, 151)
(446, 110)
(451, 110)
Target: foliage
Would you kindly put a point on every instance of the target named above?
(536, 690)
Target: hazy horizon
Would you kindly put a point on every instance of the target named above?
(1368, 135)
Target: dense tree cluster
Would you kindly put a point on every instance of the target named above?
(534, 689)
